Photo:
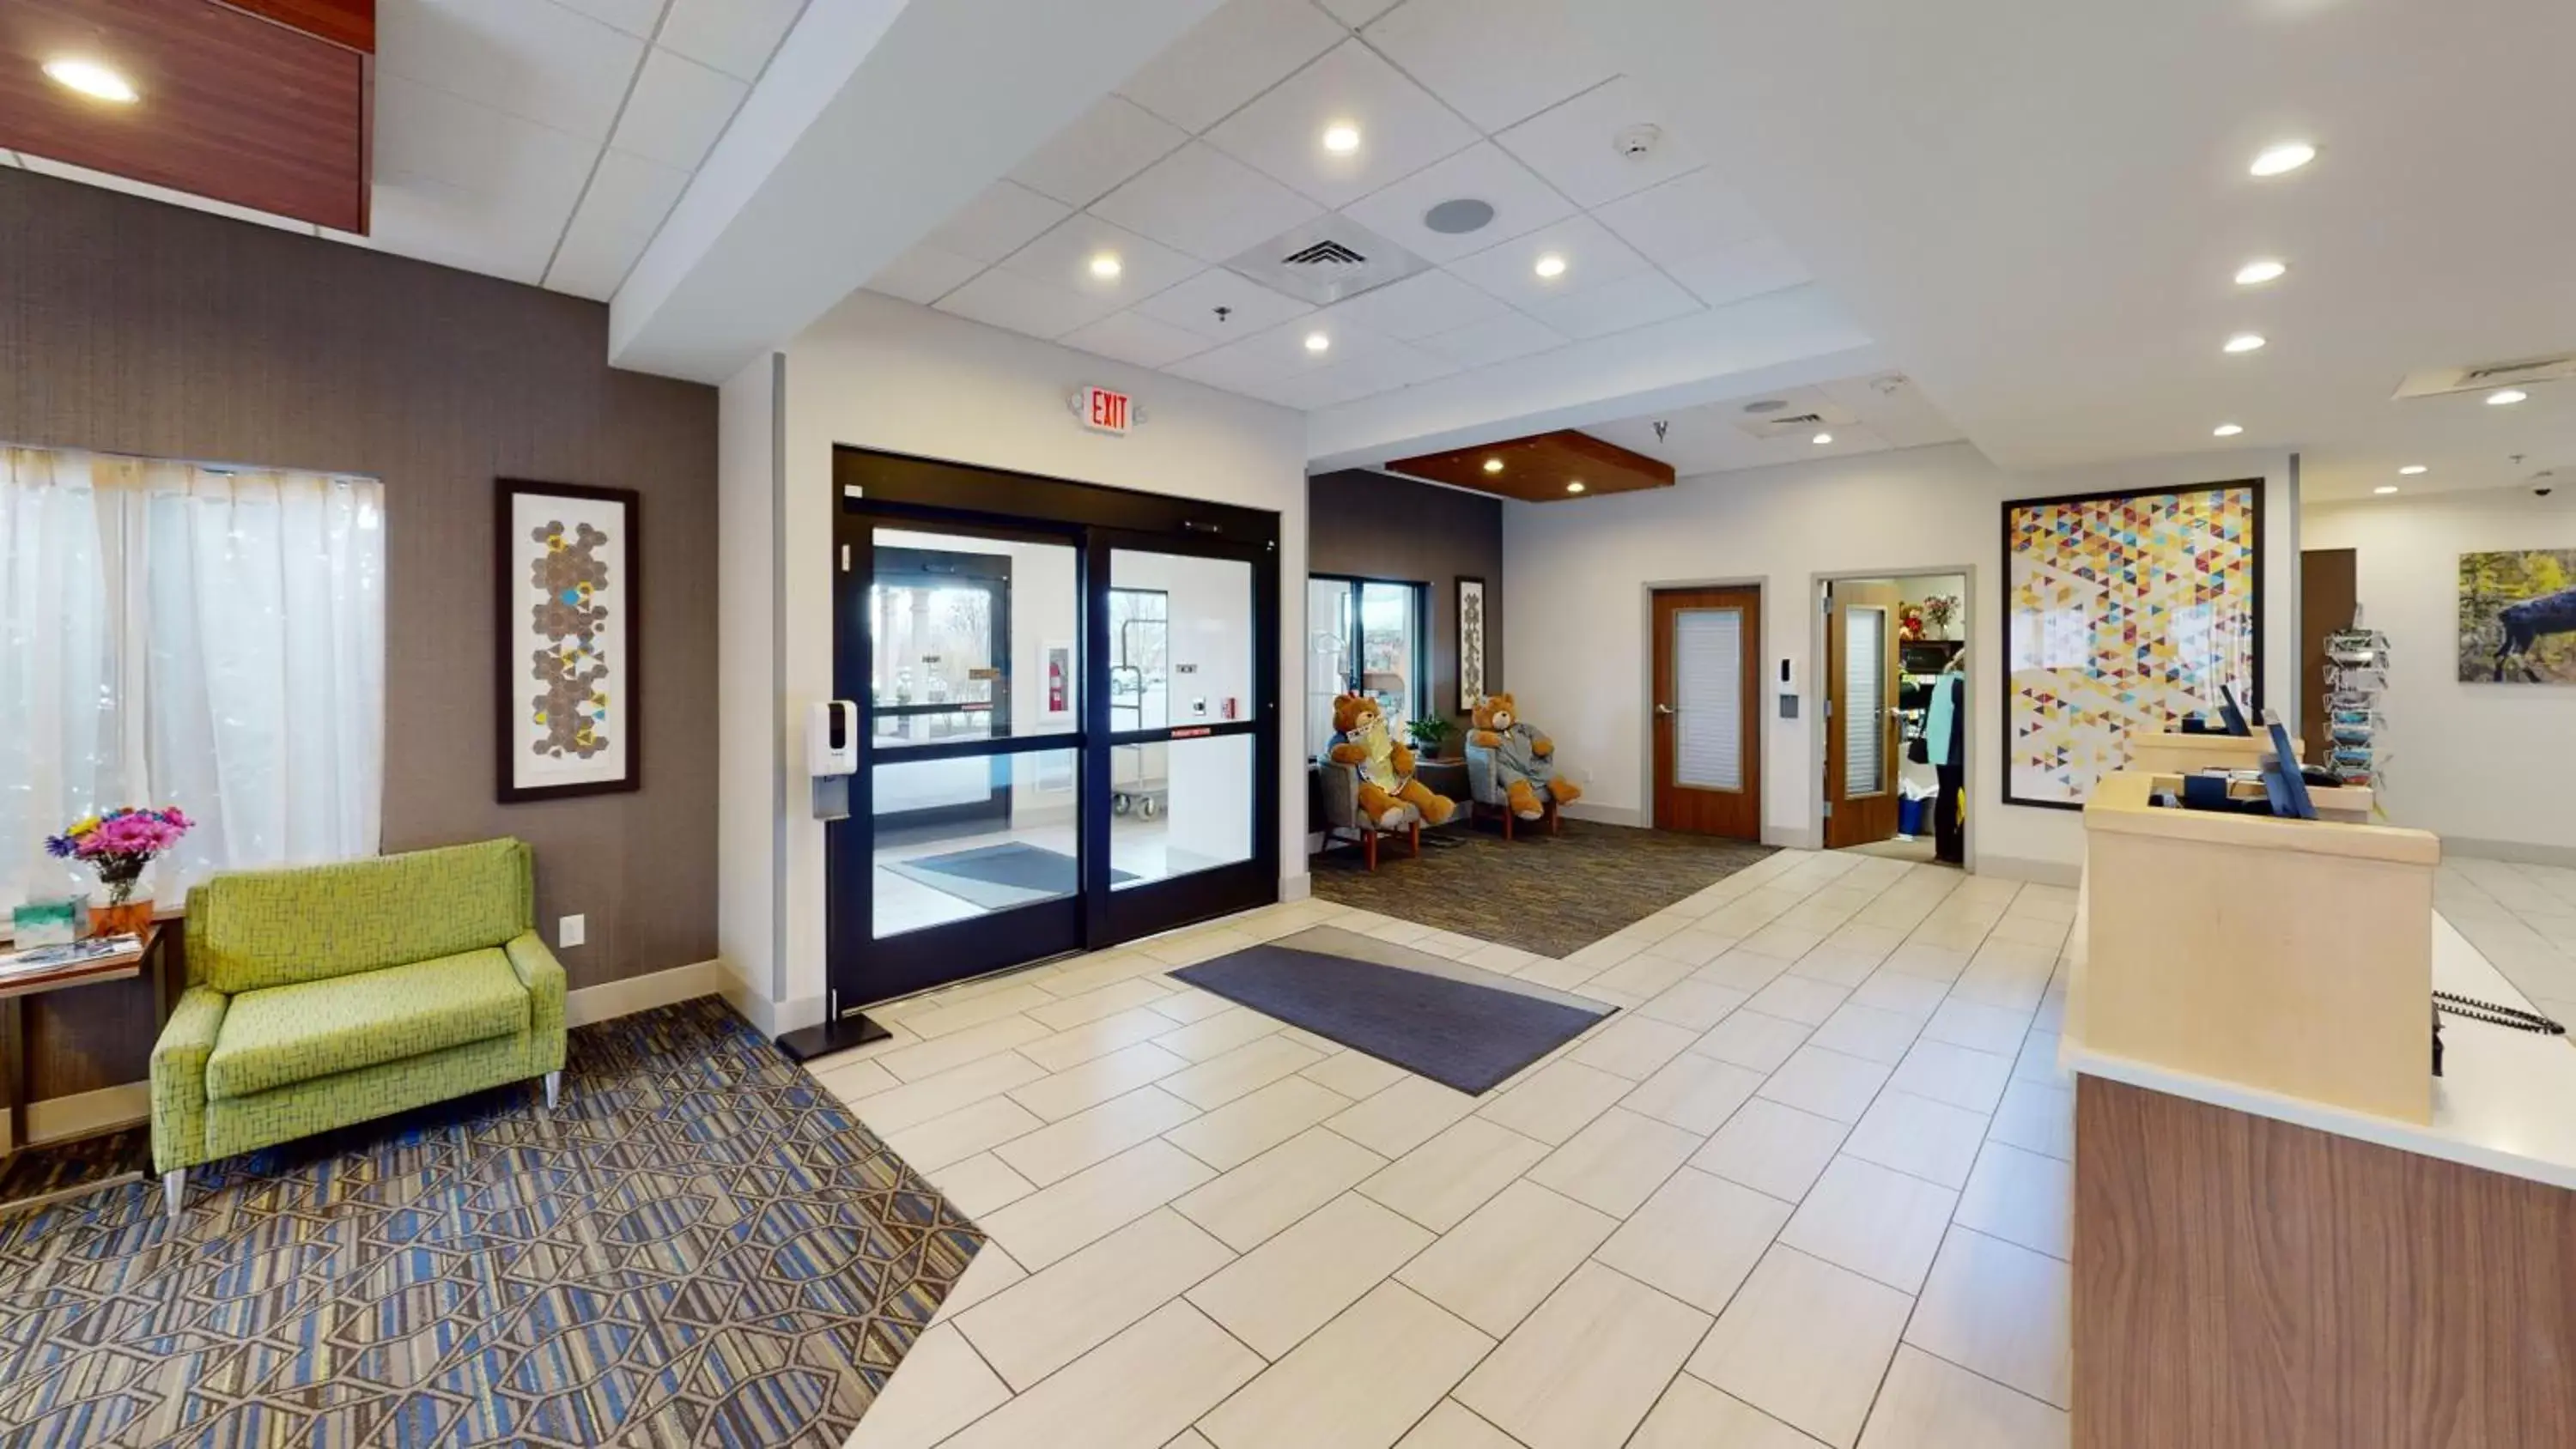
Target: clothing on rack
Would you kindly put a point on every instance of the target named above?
(1948, 747)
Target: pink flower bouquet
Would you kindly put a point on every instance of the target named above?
(119, 844)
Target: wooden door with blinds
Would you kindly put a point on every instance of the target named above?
(1860, 714)
(1708, 687)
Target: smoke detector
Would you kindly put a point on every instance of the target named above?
(1636, 142)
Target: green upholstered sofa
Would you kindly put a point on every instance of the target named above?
(334, 994)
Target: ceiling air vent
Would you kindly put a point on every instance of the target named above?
(1807, 420)
(1327, 260)
(2487, 376)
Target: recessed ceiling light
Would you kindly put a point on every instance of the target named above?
(2284, 157)
(1823, 438)
(2506, 397)
(2245, 342)
(2255, 274)
(1493, 465)
(1551, 266)
(2411, 470)
(1317, 342)
(1574, 487)
(2385, 488)
(2226, 430)
(93, 80)
(1106, 265)
(1341, 138)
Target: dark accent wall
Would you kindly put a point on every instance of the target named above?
(1379, 526)
(135, 327)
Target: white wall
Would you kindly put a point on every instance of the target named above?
(750, 849)
(878, 373)
(1577, 576)
(2486, 765)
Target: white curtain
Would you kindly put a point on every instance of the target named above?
(186, 635)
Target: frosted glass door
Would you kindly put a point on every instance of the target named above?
(1708, 703)
(1865, 704)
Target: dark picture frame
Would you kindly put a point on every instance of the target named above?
(2003, 657)
(1473, 683)
(516, 622)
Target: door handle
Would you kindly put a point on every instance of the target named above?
(1666, 709)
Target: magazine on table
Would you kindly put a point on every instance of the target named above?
(69, 953)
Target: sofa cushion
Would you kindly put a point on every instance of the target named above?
(253, 929)
(286, 1034)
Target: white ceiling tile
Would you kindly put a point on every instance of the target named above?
(735, 36)
(1495, 61)
(1063, 257)
(1746, 269)
(1230, 57)
(1113, 141)
(420, 216)
(1419, 306)
(1281, 353)
(1575, 146)
(1629, 302)
(924, 274)
(1356, 13)
(1308, 391)
(1007, 299)
(1397, 365)
(635, 17)
(1005, 218)
(678, 109)
(431, 133)
(1249, 306)
(1484, 172)
(1134, 338)
(1506, 337)
(540, 61)
(1685, 217)
(1234, 367)
(46, 166)
(1402, 129)
(624, 205)
(1206, 203)
(1593, 258)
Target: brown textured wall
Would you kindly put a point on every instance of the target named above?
(1378, 526)
(130, 326)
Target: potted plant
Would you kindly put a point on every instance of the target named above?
(1430, 734)
(118, 845)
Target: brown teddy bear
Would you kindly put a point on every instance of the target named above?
(1362, 740)
(1524, 759)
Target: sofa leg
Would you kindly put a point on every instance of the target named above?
(1417, 840)
(1368, 849)
(174, 1190)
(554, 1089)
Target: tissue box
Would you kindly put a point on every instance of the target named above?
(50, 923)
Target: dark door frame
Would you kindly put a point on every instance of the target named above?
(894, 490)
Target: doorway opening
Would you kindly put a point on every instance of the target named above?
(1067, 705)
(1895, 721)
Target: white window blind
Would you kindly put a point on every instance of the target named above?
(1864, 702)
(1708, 693)
(182, 635)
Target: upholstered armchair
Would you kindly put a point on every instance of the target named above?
(1485, 790)
(1343, 818)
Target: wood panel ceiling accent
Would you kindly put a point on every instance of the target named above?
(1541, 468)
(266, 103)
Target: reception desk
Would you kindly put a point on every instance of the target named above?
(2287, 1231)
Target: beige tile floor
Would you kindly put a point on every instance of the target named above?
(1811, 1187)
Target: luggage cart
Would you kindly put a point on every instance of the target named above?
(1136, 786)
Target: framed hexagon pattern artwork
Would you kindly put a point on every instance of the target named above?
(566, 562)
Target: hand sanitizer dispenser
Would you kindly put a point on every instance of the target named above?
(831, 738)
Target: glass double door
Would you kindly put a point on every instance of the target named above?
(1069, 740)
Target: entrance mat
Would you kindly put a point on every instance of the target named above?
(701, 1245)
(1459, 1026)
(998, 877)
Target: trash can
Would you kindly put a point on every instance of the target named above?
(1909, 815)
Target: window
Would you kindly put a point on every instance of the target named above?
(1367, 636)
(177, 634)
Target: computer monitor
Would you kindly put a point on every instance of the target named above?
(2230, 712)
(2283, 782)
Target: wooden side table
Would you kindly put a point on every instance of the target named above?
(14, 991)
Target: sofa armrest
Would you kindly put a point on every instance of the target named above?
(544, 977)
(179, 1078)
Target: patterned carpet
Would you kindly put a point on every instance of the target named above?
(1553, 894)
(701, 1246)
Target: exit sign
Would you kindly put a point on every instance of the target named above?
(1104, 411)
